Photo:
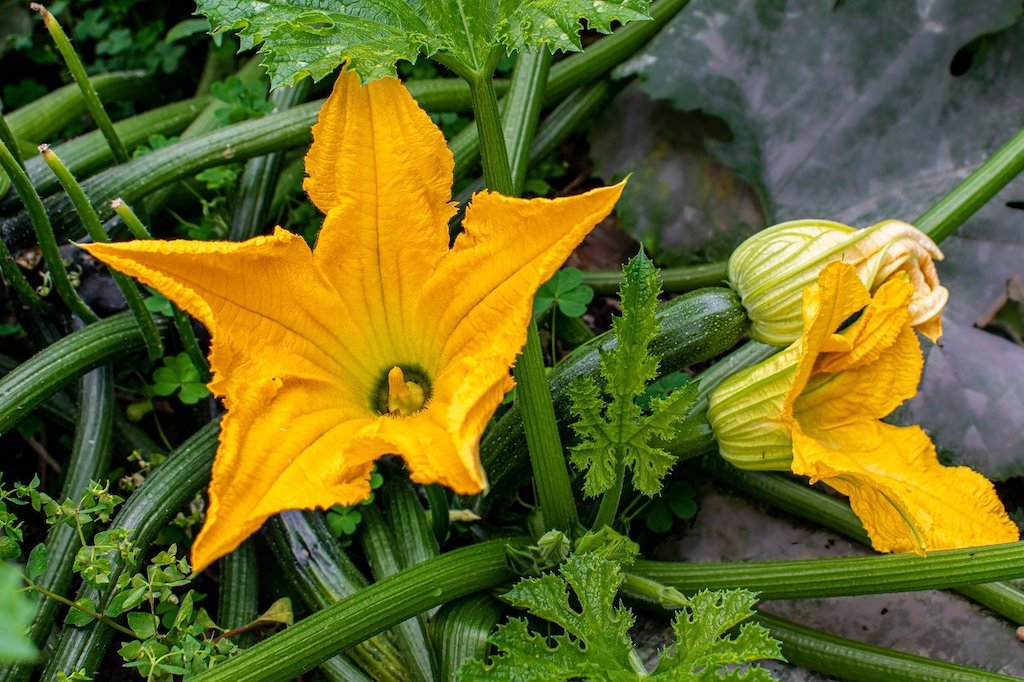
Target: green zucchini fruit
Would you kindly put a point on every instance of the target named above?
(695, 327)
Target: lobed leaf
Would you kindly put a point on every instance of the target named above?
(594, 642)
(303, 38)
(619, 432)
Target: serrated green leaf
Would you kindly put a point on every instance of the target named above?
(596, 636)
(613, 428)
(595, 644)
(704, 647)
(555, 24)
(313, 37)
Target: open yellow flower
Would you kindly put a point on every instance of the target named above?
(815, 409)
(381, 341)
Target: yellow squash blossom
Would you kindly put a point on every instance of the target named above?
(771, 269)
(383, 340)
(815, 409)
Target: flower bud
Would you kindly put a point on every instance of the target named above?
(771, 269)
(743, 411)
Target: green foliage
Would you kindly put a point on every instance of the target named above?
(15, 615)
(564, 291)
(344, 521)
(311, 38)
(158, 303)
(594, 643)
(174, 636)
(613, 429)
(154, 142)
(677, 501)
(245, 100)
(179, 375)
(173, 633)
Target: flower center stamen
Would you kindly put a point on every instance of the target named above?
(404, 397)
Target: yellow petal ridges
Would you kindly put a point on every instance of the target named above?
(304, 341)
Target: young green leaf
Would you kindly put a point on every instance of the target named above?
(595, 645)
(179, 375)
(596, 636)
(37, 562)
(566, 291)
(704, 648)
(613, 428)
(313, 37)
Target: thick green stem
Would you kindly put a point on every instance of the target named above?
(86, 154)
(340, 626)
(38, 121)
(460, 631)
(850, 660)
(550, 475)
(952, 210)
(522, 108)
(77, 69)
(850, 576)
(609, 506)
(380, 546)
(805, 502)
(493, 151)
(47, 244)
(675, 280)
(239, 589)
(8, 140)
(91, 222)
(546, 456)
(311, 561)
(46, 372)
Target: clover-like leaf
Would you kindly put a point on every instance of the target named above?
(179, 375)
(313, 37)
(564, 291)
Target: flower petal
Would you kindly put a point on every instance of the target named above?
(294, 389)
(907, 501)
(836, 296)
(381, 171)
(267, 310)
(875, 331)
(482, 292)
(432, 452)
(281, 447)
(864, 392)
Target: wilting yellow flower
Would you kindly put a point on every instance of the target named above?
(772, 268)
(815, 409)
(381, 341)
